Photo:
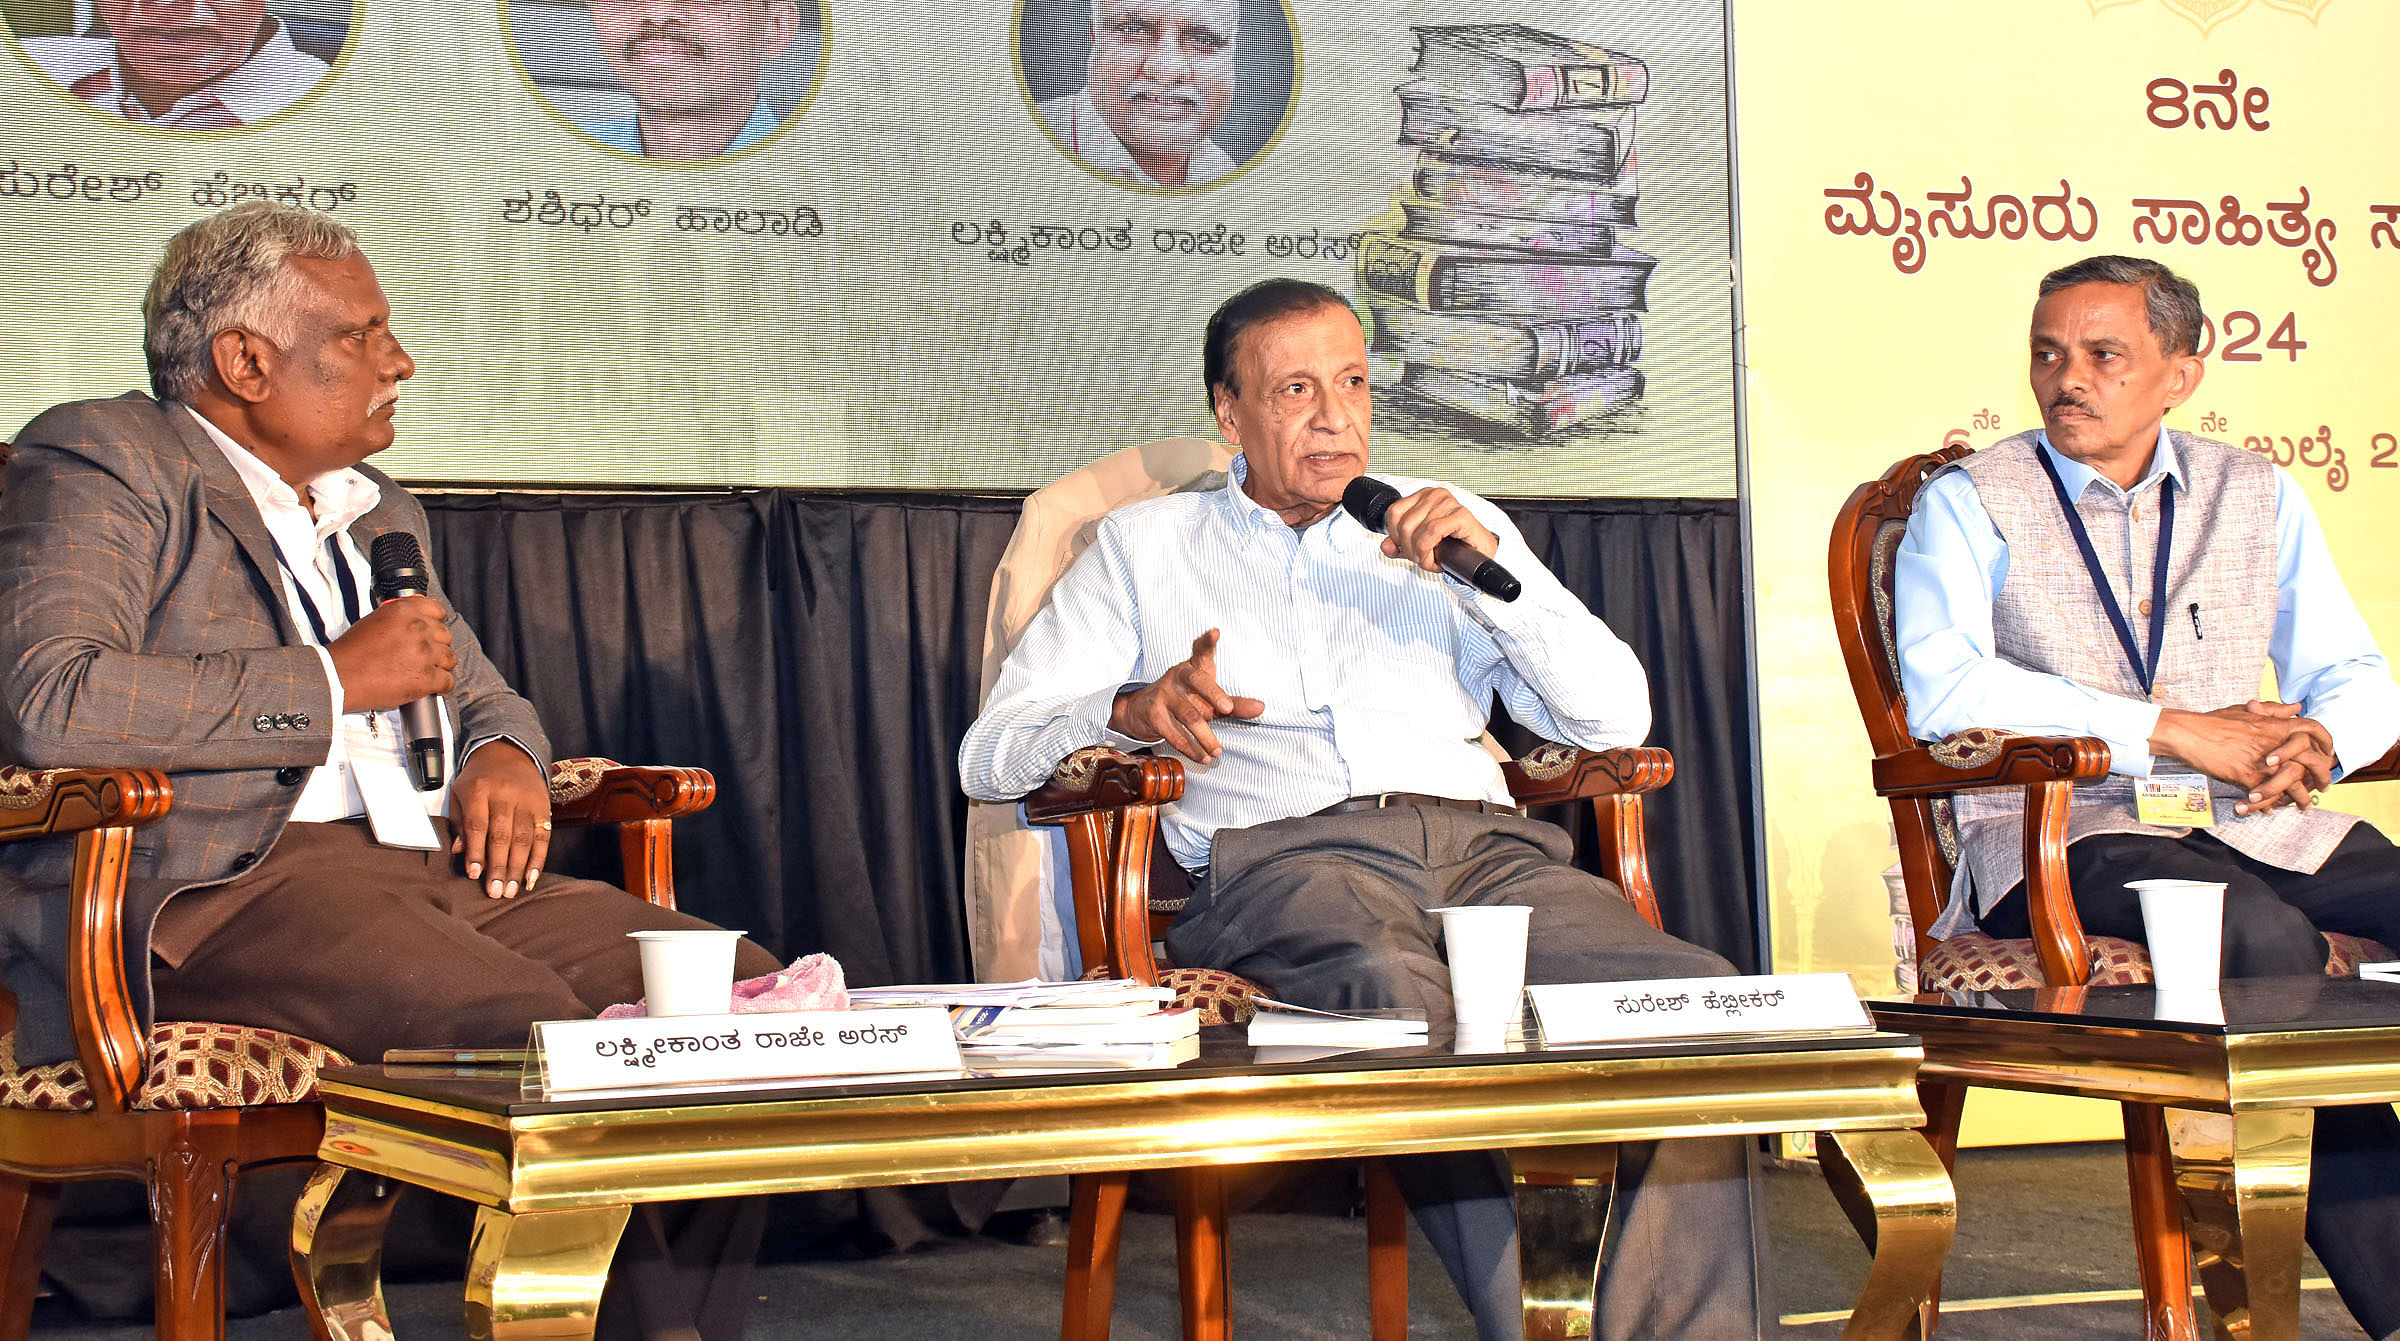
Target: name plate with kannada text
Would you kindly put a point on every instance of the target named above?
(1667, 1008)
(577, 1056)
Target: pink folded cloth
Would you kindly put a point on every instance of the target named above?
(813, 982)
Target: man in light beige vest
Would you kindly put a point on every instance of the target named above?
(2107, 576)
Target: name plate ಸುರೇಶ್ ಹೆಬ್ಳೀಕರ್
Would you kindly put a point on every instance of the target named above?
(742, 1050)
(1666, 1008)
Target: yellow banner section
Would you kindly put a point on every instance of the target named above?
(1908, 171)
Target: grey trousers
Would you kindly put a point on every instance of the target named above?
(1333, 912)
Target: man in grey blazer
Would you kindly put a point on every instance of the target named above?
(183, 586)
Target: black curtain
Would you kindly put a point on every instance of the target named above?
(1667, 577)
(820, 654)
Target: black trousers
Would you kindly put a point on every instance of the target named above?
(2274, 925)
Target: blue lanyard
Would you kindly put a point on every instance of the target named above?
(352, 604)
(2144, 672)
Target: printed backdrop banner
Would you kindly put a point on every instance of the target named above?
(1908, 173)
(917, 256)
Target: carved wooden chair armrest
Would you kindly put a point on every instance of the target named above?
(2386, 769)
(101, 807)
(48, 802)
(643, 803)
(2047, 767)
(1553, 774)
(1614, 782)
(603, 791)
(1098, 779)
(1986, 758)
(1108, 802)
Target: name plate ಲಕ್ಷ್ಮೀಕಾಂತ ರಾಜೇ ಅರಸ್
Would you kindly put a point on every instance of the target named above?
(1665, 1008)
(745, 1050)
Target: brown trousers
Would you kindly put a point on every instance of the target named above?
(366, 948)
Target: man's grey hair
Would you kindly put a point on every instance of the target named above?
(2171, 302)
(227, 272)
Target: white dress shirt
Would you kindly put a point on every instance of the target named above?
(1376, 675)
(341, 497)
(274, 77)
(1949, 569)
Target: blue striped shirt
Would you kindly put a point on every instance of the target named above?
(1376, 675)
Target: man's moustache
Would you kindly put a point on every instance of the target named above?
(652, 33)
(2063, 403)
(1161, 92)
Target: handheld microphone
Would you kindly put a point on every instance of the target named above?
(400, 571)
(1368, 498)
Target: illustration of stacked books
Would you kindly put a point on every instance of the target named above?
(1507, 294)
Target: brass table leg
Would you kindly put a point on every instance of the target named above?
(1900, 1200)
(1562, 1215)
(337, 1252)
(538, 1275)
(2244, 1182)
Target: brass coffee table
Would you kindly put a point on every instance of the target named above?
(2238, 1079)
(555, 1181)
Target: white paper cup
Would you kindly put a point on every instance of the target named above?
(2205, 1006)
(1486, 950)
(1479, 1038)
(687, 972)
(2183, 921)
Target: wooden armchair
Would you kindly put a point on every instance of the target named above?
(189, 1107)
(1108, 803)
(1919, 780)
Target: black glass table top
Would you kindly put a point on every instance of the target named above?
(2240, 1006)
(1223, 1053)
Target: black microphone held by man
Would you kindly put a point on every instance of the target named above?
(1368, 498)
(400, 571)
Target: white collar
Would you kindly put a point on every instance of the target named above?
(275, 74)
(1088, 134)
(2077, 476)
(342, 496)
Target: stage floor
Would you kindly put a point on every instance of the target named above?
(1303, 1276)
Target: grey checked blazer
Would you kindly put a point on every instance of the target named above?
(143, 625)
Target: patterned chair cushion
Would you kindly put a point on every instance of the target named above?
(1975, 962)
(573, 778)
(1220, 997)
(191, 1066)
(2348, 952)
(26, 788)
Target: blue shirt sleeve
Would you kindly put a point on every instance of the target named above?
(1945, 576)
(2325, 657)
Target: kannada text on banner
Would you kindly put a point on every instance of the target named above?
(970, 250)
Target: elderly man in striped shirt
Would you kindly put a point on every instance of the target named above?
(1328, 686)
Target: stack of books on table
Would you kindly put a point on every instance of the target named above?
(1103, 1025)
(1507, 294)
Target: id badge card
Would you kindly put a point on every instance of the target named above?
(2174, 800)
(395, 808)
